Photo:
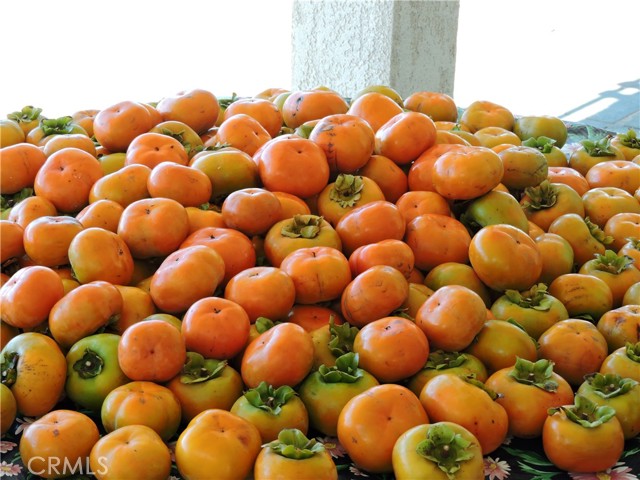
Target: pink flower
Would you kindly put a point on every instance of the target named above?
(356, 471)
(7, 446)
(9, 469)
(332, 445)
(172, 450)
(23, 423)
(496, 469)
(620, 472)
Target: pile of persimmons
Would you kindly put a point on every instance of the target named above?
(231, 274)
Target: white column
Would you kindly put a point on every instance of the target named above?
(346, 45)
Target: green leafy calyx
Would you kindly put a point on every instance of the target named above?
(598, 148)
(89, 365)
(346, 190)
(544, 144)
(612, 263)
(538, 374)
(586, 413)
(269, 399)
(341, 337)
(293, 444)
(610, 385)
(303, 226)
(345, 370)
(597, 232)
(443, 360)
(197, 369)
(541, 197)
(446, 448)
(536, 298)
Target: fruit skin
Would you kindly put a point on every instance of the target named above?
(8, 408)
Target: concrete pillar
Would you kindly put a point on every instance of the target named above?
(347, 45)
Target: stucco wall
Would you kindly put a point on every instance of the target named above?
(349, 44)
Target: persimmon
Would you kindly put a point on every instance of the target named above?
(152, 351)
(491, 137)
(137, 305)
(101, 214)
(185, 276)
(373, 294)
(153, 227)
(405, 137)
(602, 203)
(291, 205)
(188, 186)
(391, 348)
(347, 141)
(252, 211)
(66, 140)
(29, 295)
(262, 292)
(83, 311)
(116, 126)
(576, 348)
(123, 186)
(99, 254)
(197, 108)
(294, 165)
(391, 179)
(568, 176)
(420, 174)
(233, 246)
(319, 274)
(375, 108)
(303, 105)
(11, 240)
(370, 223)
(241, 131)
(151, 149)
(436, 239)
(66, 178)
(437, 105)
(451, 317)
(228, 169)
(484, 113)
(19, 164)
(47, 239)
(466, 173)
(418, 202)
(621, 174)
(621, 227)
(215, 328)
(263, 110)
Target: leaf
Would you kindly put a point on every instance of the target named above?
(529, 456)
(538, 474)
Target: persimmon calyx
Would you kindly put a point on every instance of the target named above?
(345, 370)
(446, 448)
(612, 263)
(536, 298)
(303, 226)
(56, 126)
(442, 360)
(26, 115)
(347, 190)
(597, 232)
(341, 338)
(598, 148)
(629, 139)
(89, 365)
(9, 367)
(542, 143)
(632, 350)
(294, 444)
(541, 197)
(586, 413)
(197, 369)
(610, 385)
(471, 379)
(537, 374)
(269, 399)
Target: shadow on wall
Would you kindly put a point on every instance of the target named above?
(615, 110)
